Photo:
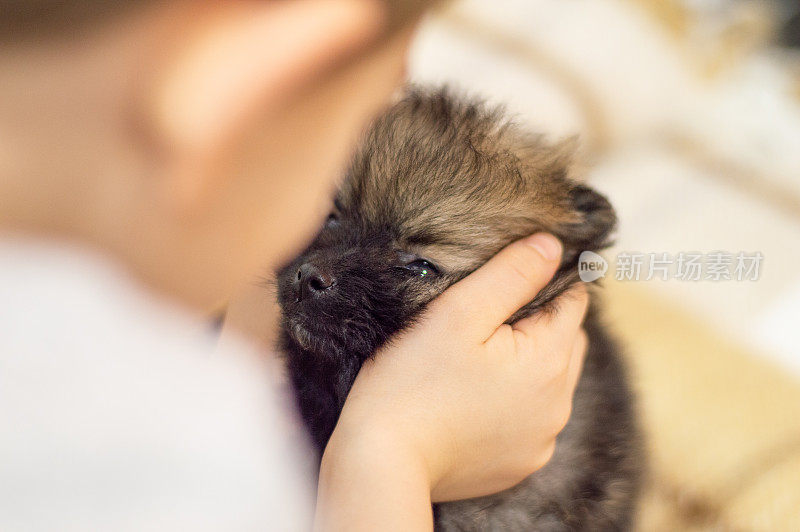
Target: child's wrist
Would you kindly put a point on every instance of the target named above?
(368, 472)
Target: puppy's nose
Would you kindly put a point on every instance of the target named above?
(312, 281)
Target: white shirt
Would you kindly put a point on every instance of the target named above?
(118, 413)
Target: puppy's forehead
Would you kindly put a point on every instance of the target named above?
(453, 179)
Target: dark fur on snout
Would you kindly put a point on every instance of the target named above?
(439, 185)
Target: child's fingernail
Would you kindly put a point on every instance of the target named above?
(546, 244)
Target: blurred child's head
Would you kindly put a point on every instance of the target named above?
(198, 141)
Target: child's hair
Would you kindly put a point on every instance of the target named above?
(31, 20)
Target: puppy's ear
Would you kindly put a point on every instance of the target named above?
(593, 222)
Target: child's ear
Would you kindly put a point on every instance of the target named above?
(237, 65)
(593, 223)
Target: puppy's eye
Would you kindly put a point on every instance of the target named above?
(421, 267)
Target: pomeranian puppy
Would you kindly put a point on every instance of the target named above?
(438, 185)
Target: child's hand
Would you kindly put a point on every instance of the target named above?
(461, 404)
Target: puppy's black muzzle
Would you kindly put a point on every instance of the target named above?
(312, 281)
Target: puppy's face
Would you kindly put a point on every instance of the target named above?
(437, 187)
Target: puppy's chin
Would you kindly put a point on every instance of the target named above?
(304, 338)
(317, 340)
(306, 334)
